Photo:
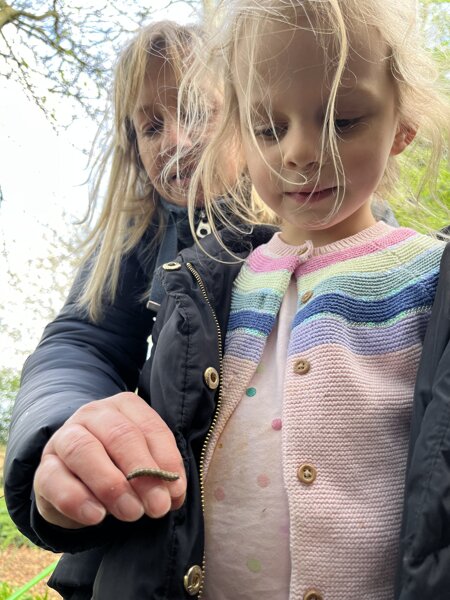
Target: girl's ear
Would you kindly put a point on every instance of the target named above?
(404, 136)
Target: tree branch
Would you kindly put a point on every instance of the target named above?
(8, 14)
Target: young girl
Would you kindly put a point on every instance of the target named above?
(301, 471)
(97, 345)
(294, 433)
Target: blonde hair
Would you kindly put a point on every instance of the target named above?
(420, 103)
(130, 203)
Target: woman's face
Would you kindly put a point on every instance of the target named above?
(159, 134)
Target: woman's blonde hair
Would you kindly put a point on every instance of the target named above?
(130, 203)
(421, 104)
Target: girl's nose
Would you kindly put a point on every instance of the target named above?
(301, 148)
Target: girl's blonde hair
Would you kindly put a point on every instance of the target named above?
(421, 104)
(130, 203)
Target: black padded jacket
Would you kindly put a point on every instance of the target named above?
(424, 571)
(77, 362)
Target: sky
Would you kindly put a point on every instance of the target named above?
(42, 175)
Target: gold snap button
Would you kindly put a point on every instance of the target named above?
(171, 266)
(307, 296)
(307, 474)
(312, 595)
(302, 366)
(211, 377)
(193, 580)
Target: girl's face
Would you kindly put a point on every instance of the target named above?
(286, 168)
(158, 133)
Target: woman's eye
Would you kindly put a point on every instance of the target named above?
(153, 128)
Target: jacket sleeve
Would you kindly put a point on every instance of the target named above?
(424, 572)
(75, 362)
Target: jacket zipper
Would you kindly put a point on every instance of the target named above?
(216, 413)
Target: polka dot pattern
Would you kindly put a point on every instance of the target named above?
(254, 565)
(263, 480)
(246, 510)
(276, 424)
(219, 494)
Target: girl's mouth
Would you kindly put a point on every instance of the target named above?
(311, 196)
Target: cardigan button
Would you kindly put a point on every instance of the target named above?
(307, 297)
(171, 266)
(211, 377)
(302, 366)
(193, 580)
(312, 595)
(307, 474)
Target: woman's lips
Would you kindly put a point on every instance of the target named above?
(312, 196)
(183, 180)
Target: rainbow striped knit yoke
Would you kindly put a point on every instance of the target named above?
(362, 294)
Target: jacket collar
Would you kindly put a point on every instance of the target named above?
(234, 246)
(217, 264)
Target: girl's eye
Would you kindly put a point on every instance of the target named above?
(342, 125)
(269, 133)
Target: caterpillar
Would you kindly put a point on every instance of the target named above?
(159, 473)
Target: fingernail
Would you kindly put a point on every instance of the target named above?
(158, 502)
(128, 508)
(92, 513)
(178, 488)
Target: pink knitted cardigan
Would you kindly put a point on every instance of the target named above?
(363, 307)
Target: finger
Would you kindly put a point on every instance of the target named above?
(118, 423)
(155, 447)
(158, 437)
(162, 450)
(165, 454)
(62, 499)
(86, 458)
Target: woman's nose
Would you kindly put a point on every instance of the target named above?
(175, 136)
(301, 147)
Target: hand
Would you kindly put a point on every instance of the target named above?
(82, 473)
